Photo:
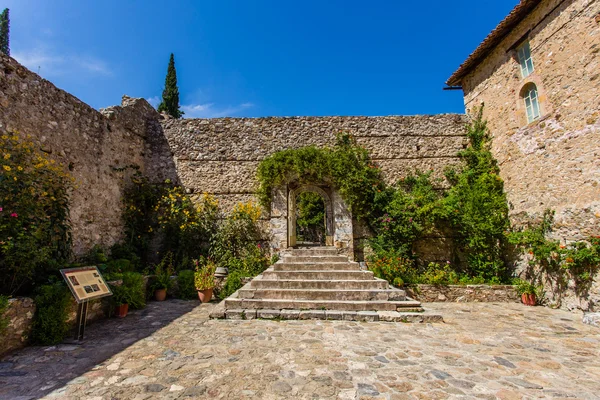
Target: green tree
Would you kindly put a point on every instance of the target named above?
(4, 32)
(170, 96)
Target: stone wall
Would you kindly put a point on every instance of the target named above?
(221, 156)
(464, 293)
(88, 143)
(553, 162)
(19, 314)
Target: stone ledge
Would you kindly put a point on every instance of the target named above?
(464, 293)
(331, 315)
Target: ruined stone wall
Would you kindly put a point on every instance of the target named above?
(553, 162)
(221, 156)
(87, 143)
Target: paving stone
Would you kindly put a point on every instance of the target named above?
(505, 362)
(365, 389)
(155, 388)
(281, 387)
(524, 383)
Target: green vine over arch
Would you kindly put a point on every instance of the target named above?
(346, 165)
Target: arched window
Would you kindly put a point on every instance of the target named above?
(529, 93)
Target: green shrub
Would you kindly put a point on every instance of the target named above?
(163, 272)
(204, 277)
(185, 285)
(409, 210)
(393, 267)
(52, 304)
(132, 290)
(476, 206)
(233, 283)
(35, 232)
(3, 319)
(348, 165)
(579, 260)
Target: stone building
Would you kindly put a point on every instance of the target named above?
(538, 74)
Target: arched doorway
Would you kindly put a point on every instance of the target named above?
(295, 198)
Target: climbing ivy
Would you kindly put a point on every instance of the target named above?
(346, 165)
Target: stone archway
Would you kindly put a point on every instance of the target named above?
(292, 195)
(339, 228)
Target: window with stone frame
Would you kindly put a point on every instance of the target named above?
(532, 104)
(525, 60)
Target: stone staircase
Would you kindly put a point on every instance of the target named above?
(318, 283)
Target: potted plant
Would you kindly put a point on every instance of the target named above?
(162, 277)
(527, 291)
(121, 297)
(204, 279)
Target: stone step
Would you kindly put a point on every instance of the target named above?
(234, 302)
(362, 316)
(315, 259)
(317, 275)
(336, 266)
(319, 284)
(323, 294)
(315, 251)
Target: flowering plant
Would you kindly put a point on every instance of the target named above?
(204, 277)
(35, 234)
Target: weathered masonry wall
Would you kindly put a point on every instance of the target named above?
(553, 162)
(221, 156)
(85, 141)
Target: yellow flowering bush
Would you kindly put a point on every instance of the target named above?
(184, 227)
(35, 235)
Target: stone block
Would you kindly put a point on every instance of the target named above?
(249, 314)
(334, 315)
(592, 319)
(234, 314)
(312, 314)
(290, 314)
(268, 314)
(367, 316)
(349, 315)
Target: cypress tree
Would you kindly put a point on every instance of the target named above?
(170, 95)
(4, 29)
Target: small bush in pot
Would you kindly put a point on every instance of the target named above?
(527, 291)
(204, 279)
(121, 298)
(130, 293)
(162, 277)
(186, 287)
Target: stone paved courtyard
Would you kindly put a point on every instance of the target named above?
(172, 350)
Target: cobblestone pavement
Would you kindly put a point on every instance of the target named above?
(172, 350)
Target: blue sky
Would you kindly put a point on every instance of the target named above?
(257, 57)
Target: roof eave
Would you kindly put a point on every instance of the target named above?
(494, 38)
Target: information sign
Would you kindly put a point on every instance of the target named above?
(86, 283)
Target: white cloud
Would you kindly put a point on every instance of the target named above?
(209, 110)
(51, 64)
(154, 101)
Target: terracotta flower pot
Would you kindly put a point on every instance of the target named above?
(528, 299)
(205, 295)
(160, 294)
(121, 310)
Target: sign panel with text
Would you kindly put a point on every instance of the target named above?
(86, 283)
